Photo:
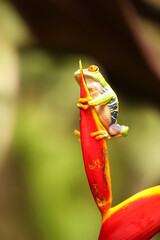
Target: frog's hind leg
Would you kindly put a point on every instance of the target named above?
(116, 130)
(76, 132)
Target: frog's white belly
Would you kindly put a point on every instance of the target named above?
(104, 115)
(103, 111)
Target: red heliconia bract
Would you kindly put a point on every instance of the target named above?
(137, 217)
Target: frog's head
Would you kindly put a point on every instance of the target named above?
(92, 72)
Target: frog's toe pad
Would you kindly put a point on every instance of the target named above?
(99, 137)
(124, 130)
(76, 132)
(84, 106)
(99, 134)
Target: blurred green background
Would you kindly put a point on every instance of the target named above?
(44, 193)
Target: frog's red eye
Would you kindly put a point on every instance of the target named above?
(93, 68)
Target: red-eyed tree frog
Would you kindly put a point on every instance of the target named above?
(105, 101)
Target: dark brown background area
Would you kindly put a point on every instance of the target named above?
(111, 31)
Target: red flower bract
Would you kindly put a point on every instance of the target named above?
(137, 217)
